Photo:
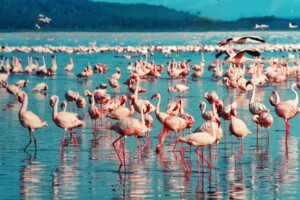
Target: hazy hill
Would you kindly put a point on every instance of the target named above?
(84, 15)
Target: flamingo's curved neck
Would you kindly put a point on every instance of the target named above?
(204, 108)
(157, 106)
(24, 104)
(181, 111)
(277, 98)
(253, 94)
(44, 63)
(296, 94)
(55, 108)
(136, 89)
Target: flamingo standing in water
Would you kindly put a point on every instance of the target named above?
(284, 110)
(171, 123)
(237, 126)
(294, 102)
(28, 119)
(199, 139)
(129, 126)
(255, 107)
(265, 120)
(65, 120)
(94, 112)
(70, 66)
(40, 86)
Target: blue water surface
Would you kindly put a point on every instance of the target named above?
(265, 170)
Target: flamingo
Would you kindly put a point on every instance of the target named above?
(283, 110)
(65, 120)
(265, 120)
(94, 111)
(22, 83)
(294, 102)
(80, 102)
(122, 111)
(178, 88)
(12, 89)
(116, 75)
(70, 66)
(71, 96)
(256, 108)
(28, 119)
(113, 82)
(199, 139)
(171, 123)
(138, 103)
(206, 115)
(129, 126)
(40, 86)
(190, 121)
(237, 126)
(242, 40)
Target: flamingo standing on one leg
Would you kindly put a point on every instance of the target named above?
(65, 120)
(28, 119)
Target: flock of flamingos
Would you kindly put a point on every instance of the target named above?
(174, 119)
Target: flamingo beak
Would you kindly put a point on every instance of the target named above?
(248, 83)
(51, 102)
(218, 121)
(298, 85)
(20, 99)
(154, 96)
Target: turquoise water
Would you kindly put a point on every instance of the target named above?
(266, 171)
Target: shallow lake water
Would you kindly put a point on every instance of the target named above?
(266, 170)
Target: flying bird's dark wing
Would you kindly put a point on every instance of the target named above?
(220, 53)
(256, 38)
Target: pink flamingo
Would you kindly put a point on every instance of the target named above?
(242, 40)
(28, 119)
(114, 84)
(139, 103)
(255, 107)
(284, 110)
(122, 111)
(40, 86)
(190, 121)
(199, 139)
(129, 126)
(265, 120)
(65, 120)
(94, 112)
(70, 66)
(160, 116)
(171, 123)
(237, 126)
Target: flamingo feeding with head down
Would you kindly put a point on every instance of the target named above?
(199, 139)
(28, 119)
(65, 120)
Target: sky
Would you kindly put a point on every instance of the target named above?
(228, 9)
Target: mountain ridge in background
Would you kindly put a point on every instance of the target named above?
(85, 15)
